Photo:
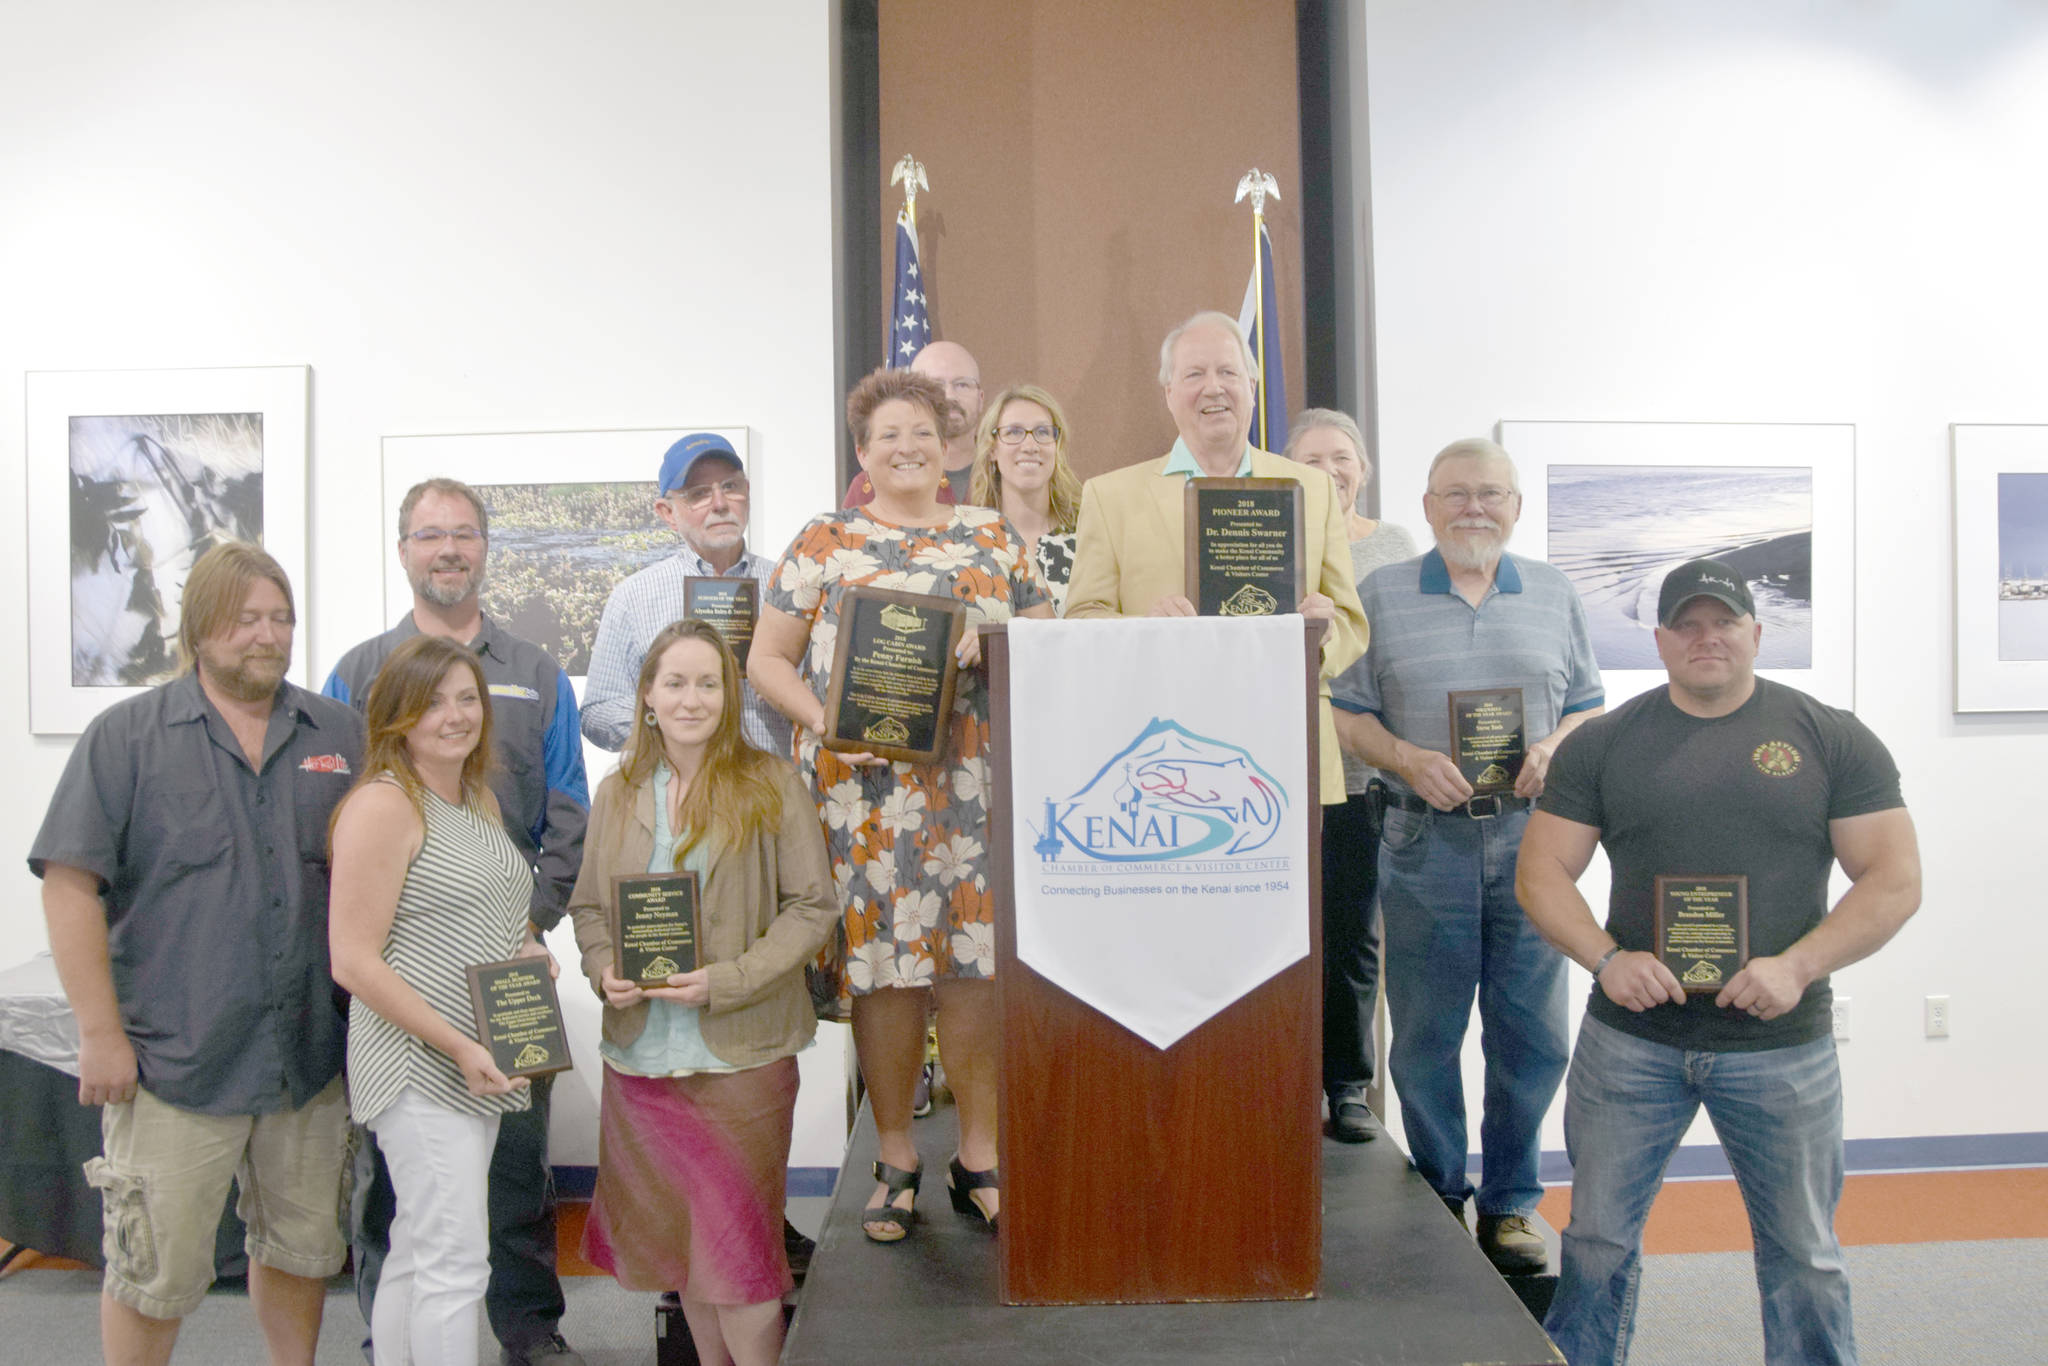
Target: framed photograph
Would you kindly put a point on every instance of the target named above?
(132, 476)
(2001, 512)
(1617, 505)
(572, 513)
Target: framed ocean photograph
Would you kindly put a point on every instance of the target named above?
(132, 476)
(1617, 505)
(2001, 528)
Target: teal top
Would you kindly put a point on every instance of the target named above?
(1181, 460)
(672, 1044)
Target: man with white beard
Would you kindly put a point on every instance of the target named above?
(1466, 617)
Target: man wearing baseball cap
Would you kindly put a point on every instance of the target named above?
(703, 494)
(1723, 801)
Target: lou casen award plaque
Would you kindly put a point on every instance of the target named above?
(1245, 555)
(893, 674)
(518, 1017)
(1489, 737)
(654, 926)
(1702, 929)
(732, 605)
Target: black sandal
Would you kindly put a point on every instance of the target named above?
(961, 1185)
(893, 1219)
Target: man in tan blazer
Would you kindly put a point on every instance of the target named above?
(1131, 558)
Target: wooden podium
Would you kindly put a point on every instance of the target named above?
(1135, 1175)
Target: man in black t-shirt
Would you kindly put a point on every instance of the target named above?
(1719, 776)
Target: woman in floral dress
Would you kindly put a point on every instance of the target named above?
(909, 842)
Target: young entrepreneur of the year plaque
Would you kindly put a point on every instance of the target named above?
(1489, 737)
(1245, 556)
(893, 674)
(1702, 929)
(654, 926)
(732, 604)
(518, 1016)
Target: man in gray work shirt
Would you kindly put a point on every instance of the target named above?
(184, 867)
(444, 536)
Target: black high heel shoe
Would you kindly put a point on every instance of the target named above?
(961, 1185)
(889, 1222)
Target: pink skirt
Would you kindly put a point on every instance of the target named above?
(691, 1174)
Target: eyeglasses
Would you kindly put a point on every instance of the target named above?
(699, 495)
(1490, 497)
(464, 536)
(1045, 434)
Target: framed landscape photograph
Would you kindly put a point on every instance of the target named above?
(2001, 527)
(1617, 505)
(132, 476)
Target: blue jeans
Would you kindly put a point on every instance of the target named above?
(1453, 928)
(1778, 1113)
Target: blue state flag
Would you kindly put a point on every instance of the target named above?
(910, 323)
(1259, 319)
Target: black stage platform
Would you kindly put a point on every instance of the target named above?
(1401, 1284)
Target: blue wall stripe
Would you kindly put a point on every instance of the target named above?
(1933, 1152)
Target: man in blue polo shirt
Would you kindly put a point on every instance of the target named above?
(1466, 617)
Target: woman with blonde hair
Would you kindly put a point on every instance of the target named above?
(1021, 470)
(700, 1072)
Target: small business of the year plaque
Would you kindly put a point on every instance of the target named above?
(654, 926)
(732, 604)
(518, 1016)
(893, 674)
(1702, 929)
(1489, 737)
(1245, 556)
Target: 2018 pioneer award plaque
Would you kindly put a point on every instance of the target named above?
(1245, 556)
(654, 926)
(893, 674)
(518, 1016)
(732, 605)
(1489, 737)
(1702, 929)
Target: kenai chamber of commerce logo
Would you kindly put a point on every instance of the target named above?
(1171, 794)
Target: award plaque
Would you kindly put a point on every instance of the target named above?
(893, 674)
(1244, 547)
(654, 927)
(1489, 736)
(1702, 929)
(518, 1017)
(732, 605)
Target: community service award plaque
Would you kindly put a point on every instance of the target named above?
(1702, 929)
(518, 1017)
(730, 604)
(654, 927)
(1489, 736)
(1244, 547)
(893, 673)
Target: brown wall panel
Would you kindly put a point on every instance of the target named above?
(1082, 159)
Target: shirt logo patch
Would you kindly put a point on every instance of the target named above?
(325, 763)
(514, 690)
(1775, 759)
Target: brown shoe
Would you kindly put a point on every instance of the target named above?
(1512, 1244)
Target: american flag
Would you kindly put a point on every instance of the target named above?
(1262, 329)
(910, 324)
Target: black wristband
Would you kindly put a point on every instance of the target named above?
(1605, 959)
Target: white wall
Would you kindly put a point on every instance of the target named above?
(464, 216)
(1748, 210)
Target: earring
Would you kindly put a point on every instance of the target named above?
(648, 719)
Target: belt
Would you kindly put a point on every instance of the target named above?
(1480, 808)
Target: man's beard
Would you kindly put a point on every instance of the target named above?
(241, 682)
(449, 595)
(1467, 554)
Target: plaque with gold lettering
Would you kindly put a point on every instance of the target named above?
(654, 926)
(1245, 554)
(1702, 929)
(518, 1016)
(1489, 737)
(893, 674)
(733, 605)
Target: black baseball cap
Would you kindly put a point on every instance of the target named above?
(1702, 579)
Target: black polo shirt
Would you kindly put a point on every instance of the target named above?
(214, 877)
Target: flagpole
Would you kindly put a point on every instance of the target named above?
(1258, 185)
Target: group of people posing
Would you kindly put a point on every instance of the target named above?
(248, 885)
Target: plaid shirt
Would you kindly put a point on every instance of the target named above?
(634, 615)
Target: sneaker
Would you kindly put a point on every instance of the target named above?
(544, 1351)
(1512, 1243)
(1350, 1117)
(798, 1249)
(921, 1098)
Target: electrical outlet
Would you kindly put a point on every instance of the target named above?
(1841, 1018)
(1937, 1017)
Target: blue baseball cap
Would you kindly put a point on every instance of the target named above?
(683, 456)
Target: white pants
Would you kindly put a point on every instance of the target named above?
(434, 1276)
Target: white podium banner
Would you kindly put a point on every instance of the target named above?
(1159, 810)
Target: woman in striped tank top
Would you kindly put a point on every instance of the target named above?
(426, 883)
